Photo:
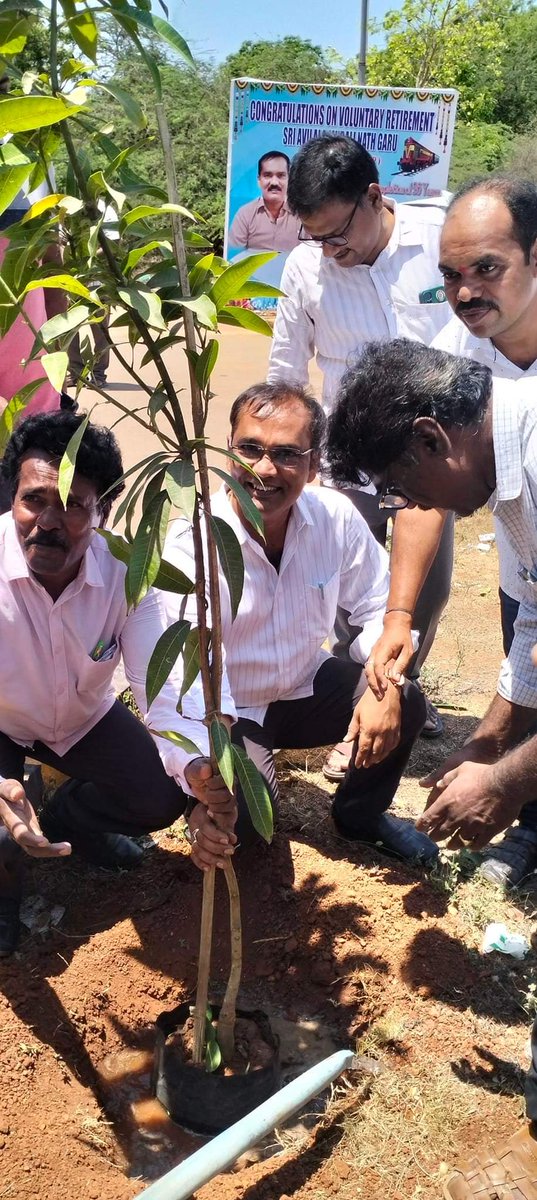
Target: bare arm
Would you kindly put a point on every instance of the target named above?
(416, 538)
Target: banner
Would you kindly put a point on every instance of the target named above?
(407, 131)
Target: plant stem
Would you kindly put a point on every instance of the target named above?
(204, 963)
(226, 1020)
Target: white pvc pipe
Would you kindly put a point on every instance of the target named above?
(222, 1151)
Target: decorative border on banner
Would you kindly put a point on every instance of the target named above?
(346, 90)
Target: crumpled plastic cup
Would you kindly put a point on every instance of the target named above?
(499, 937)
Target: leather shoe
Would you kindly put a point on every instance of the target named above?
(113, 851)
(396, 836)
(513, 859)
(9, 925)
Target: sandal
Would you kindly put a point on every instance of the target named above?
(335, 767)
(434, 725)
(507, 1169)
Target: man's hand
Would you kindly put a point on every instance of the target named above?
(377, 725)
(20, 820)
(466, 807)
(391, 654)
(210, 846)
(210, 790)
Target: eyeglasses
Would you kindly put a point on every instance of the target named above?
(330, 239)
(391, 497)
(281, 456)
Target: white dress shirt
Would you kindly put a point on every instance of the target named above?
(514, 503)
(457, 339)
(58, 657)
(335, 311)
(274, 647)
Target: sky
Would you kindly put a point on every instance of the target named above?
(216, 28)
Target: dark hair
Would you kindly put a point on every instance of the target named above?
(329, 168)
(272, 154)
(98, 458)
(518, 195)
(262, 398)
(379, 399)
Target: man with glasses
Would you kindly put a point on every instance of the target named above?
(367, 268)
(316, 552)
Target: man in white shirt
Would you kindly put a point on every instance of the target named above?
(445, 439)
(367, 268)
(316, 552)
(488, 258)
(64, 625)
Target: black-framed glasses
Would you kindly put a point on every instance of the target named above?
(391, 497)
(281, 456)
(330, 239)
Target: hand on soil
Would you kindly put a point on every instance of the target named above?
(21, 822)
(464, 807)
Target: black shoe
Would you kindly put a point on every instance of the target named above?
(113, 851)
(9, 926)
(396, 836)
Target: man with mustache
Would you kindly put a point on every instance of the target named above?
(488, 258)
(64, 625)
(366, 268)
(267, 223)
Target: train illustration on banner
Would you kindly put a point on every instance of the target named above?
(415, 157)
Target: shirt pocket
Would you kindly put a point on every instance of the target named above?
(95, 676)
(321, 607)
(421, 322)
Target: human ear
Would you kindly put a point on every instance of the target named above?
(431, 437)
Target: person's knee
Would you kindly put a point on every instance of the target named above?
(413, 711)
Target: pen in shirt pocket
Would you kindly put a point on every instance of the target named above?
(321, 589)
(97, 651)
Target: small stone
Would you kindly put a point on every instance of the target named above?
(290, 946)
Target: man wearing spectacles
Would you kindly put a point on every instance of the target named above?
(315, 552)
(366, 268)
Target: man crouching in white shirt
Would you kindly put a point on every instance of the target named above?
(288, 690)
(64, 625)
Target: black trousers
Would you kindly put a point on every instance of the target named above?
(321, 720)
(118, 783)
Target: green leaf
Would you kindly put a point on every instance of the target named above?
(245, 500)
(152, 210)
(146, 303)
(180, 484)
(14, 31)
(171, 579)
(147, 549)
(11, 181)
(191, 664)
(255, 792)
(56, 366)
(206, 362)
(231, 561)
(116, 544)
(84, 32)
(246, 318)
(234, 277)
(42, 206)
(68, 462)
(33, 112)
(132, 109)
(64, 283)
(64, 323)
(213, 1054)
(134, 256)
(204, 309)
(13, 410)
(221, 744)
(178, 739)
(255, 288)
(159, 26)
(164, 658)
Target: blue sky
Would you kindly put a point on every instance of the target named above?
(216, 28)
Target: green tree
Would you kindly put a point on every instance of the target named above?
(478, 149)
(290, 59)
(516, 102)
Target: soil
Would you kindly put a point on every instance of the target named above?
(351, 943)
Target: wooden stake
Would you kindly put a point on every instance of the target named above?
(204, 965)
(226, 1020)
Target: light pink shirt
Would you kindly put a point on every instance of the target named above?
(253, 228)
(51, 688)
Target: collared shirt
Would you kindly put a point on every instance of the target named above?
(58, 656)
(274, 647)
(457, 339)
(335, 311)
(253, 228)
(514, 503)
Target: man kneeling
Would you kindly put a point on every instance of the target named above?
(317, 553)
